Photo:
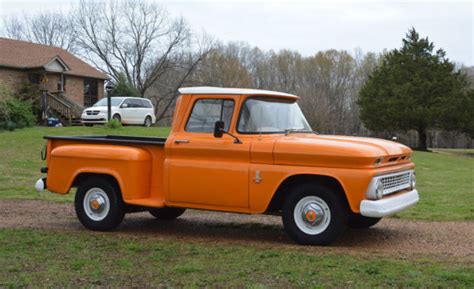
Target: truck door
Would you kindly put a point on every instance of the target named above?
(205, 171)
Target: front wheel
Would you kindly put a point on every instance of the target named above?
(117, 118)
(313, 215)
(98, 205)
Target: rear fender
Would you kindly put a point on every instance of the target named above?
(130, 166)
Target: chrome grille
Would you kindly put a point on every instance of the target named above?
(395, 182)
(92, 112)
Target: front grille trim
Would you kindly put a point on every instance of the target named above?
(395, 182)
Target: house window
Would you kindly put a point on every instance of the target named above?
(34, 78)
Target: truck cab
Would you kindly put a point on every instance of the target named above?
(236, 150)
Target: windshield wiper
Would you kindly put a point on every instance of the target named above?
(298, 130)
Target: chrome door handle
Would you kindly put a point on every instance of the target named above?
(181, 141)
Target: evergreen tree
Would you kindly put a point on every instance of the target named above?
(124, 88)
(416, 88)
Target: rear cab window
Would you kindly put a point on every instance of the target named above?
(207, 111)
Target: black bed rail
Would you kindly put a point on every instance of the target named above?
(112, 139)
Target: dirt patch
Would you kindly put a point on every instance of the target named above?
(450, 239)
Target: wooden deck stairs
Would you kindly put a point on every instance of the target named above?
(67, 110)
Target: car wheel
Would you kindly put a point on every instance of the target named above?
(147, 122)
(88, 124)
(357, 221)
(166, 213)
(99, 205)
(117, 117)
(313, 215)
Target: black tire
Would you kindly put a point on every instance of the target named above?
(117, 117)
(357, 221)
(116, 211)
(89, 124)
(147, 121)
(166, 213)
(335, 225)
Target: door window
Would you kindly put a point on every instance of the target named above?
(128, 102)
(206, 112)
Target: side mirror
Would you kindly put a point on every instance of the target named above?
(219, 128)
(124, 105)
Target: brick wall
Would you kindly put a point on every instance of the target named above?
(12, 77)
(52, 84)
(100, 89)
(75, 88)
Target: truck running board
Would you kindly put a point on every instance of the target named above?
(147, 202)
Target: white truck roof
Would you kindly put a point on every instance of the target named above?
(224, 90)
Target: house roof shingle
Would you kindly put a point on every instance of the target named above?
(26, 55)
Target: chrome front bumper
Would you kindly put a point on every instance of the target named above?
(389, 205)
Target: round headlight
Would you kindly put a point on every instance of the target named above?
(412, 180)
(379, 190)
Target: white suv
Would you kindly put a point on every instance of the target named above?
(127, 110)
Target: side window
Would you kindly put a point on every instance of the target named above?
(128, 102)
(206, 112)
(145, 103)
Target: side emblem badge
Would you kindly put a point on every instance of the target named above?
(258, 177)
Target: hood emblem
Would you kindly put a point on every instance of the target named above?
(258, 177)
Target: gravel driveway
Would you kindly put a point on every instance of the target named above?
(450, 239)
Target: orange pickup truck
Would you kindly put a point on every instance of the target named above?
(235, 150)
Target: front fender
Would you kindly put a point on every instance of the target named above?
(354, 182)
(130, 166)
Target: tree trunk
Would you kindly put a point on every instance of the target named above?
(422, 136)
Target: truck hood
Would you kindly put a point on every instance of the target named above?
(337, 151)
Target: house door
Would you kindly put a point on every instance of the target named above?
(91, 89)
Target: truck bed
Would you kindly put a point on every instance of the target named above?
(113, 139)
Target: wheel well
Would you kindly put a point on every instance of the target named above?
(278, 199)
(84, 176)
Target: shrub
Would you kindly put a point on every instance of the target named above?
(114, 123)
(14, 113)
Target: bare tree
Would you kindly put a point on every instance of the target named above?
(49, 28)
(136, 38)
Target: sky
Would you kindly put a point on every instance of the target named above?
(312, 26)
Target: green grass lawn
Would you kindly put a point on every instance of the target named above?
(53, 259)
(445, 178)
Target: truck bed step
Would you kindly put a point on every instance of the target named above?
(147, 202)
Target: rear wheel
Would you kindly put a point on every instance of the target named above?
(357, 221)
(166, 213)
(147, 122)
(313, 215)
(98, 204)
(89, 124)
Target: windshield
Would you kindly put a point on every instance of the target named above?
(103, 102)
(267, 115)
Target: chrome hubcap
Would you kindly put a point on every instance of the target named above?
(312, 215)
(96, 204)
